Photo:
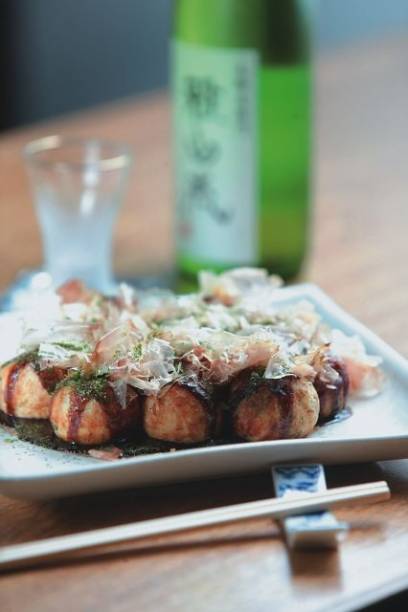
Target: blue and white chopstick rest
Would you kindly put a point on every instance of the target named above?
(313, 530)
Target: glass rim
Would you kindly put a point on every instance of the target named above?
(121, 159)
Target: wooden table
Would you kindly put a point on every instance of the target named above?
(360, 256)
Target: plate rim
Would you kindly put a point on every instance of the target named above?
(196, 452)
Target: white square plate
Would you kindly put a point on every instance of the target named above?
(377, 430)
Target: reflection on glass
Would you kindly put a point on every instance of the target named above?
(78, 187)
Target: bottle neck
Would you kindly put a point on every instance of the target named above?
(281, 30)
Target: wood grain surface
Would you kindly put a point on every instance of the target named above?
(359, 256)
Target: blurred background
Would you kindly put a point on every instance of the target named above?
(57, 57)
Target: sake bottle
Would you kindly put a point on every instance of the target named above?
(241, 103)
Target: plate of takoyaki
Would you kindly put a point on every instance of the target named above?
(149, 387)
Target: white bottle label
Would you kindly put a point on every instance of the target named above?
(215, 126)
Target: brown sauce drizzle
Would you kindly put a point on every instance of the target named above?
(133, 410)
(76, 408)
(11, 385)
(286, 402)
(341, 369)
(334, 392)
(205, 393)
(50, 377)
(113, 411)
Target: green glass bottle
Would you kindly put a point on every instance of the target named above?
(241, 86)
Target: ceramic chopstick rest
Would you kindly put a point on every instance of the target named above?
(314, 529)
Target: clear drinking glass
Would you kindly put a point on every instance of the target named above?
(78, 188)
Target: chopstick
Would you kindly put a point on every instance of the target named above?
(34, 553)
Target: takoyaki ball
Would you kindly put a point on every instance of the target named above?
(182, 412)
(86, 420)
(331, 384)
(25, 391)
(275, 409)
